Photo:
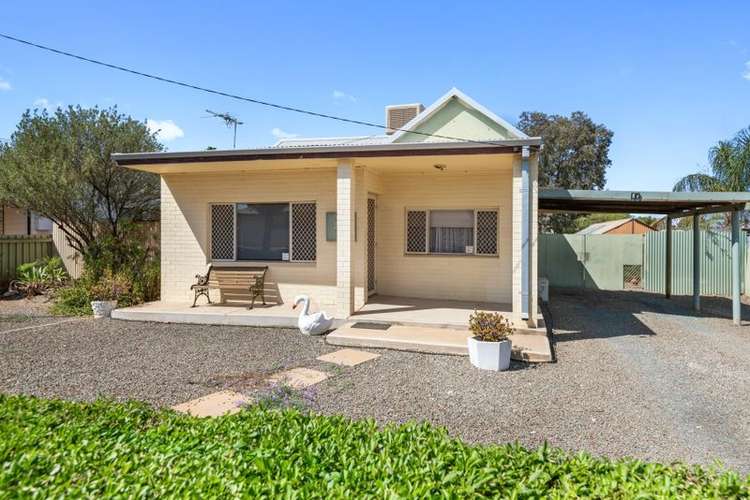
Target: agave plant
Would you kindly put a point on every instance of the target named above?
(32, 281)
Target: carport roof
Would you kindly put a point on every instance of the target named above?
(644, 202)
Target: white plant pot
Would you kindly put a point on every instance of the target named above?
(489, 355)
(103, 308)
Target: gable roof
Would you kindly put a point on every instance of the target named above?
(412, 125)
(605, 227)
(467, 101)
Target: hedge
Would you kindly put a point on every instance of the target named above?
(52, 448)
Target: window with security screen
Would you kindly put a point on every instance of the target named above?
(264, 232)
(452, 231)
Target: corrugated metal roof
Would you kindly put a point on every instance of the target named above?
(304, 142)
(603, 227)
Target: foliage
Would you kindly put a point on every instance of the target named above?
(56, 449)
(60, 166)
(121, 269)
(73, 300)
(489, 326)
(730, 167)
(40, 277)
(729, 162)
(575, 156)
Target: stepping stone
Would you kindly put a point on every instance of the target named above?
(348, 357)
(298, 378)
(214, 405)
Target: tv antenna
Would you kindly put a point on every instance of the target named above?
(229, 121)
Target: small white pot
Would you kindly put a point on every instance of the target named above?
(489, 355)
(103, 308)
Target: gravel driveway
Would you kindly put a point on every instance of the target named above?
(636, 375)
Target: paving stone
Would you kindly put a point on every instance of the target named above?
(214, 405)
(348, 357)
(298, 378)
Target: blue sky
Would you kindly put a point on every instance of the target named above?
(670, 78)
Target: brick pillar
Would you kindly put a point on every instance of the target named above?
(345, 203)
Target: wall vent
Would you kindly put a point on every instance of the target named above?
(399, 115)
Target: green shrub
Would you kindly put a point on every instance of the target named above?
(73, 300)
(103, 449)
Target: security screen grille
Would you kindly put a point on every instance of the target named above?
(303, 232)
(486, 232)
(416, 231)
(222, 232)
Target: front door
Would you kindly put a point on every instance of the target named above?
(371, 246)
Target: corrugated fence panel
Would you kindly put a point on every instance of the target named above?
(559, 259)
(716, 262)
(17, 250)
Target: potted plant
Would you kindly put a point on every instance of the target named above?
(489, 347)
(105, 292)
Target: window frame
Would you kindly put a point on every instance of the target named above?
(238, 262)
(429, 211)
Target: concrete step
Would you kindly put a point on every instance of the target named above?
(533, 347)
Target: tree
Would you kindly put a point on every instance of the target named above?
(729, 162)
(59, 165)
(730, 167)
(575, 156)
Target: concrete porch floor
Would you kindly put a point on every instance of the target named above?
(426, 312)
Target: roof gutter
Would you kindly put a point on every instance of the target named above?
(362, 151)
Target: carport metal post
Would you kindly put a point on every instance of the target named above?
(668, 260)
(736, 267)
(696, 263)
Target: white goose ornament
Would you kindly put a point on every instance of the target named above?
(311, 324)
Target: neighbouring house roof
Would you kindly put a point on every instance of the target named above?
(605, 227)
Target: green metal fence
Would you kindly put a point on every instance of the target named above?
(715, 264)
(616, 262)
(17, 250)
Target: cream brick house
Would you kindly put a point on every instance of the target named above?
(443, 206)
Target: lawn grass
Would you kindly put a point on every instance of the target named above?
(54, 448)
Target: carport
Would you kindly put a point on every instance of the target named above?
(671, 204)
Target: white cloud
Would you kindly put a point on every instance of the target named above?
(746, 73)
(281, 134)
(165, 130)
(43, 103)
(341, 96)
(5, 84)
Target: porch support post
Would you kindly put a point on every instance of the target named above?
(668, 260)
(525, 234)
(736, 267)
(344, 239)
(696, 263)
